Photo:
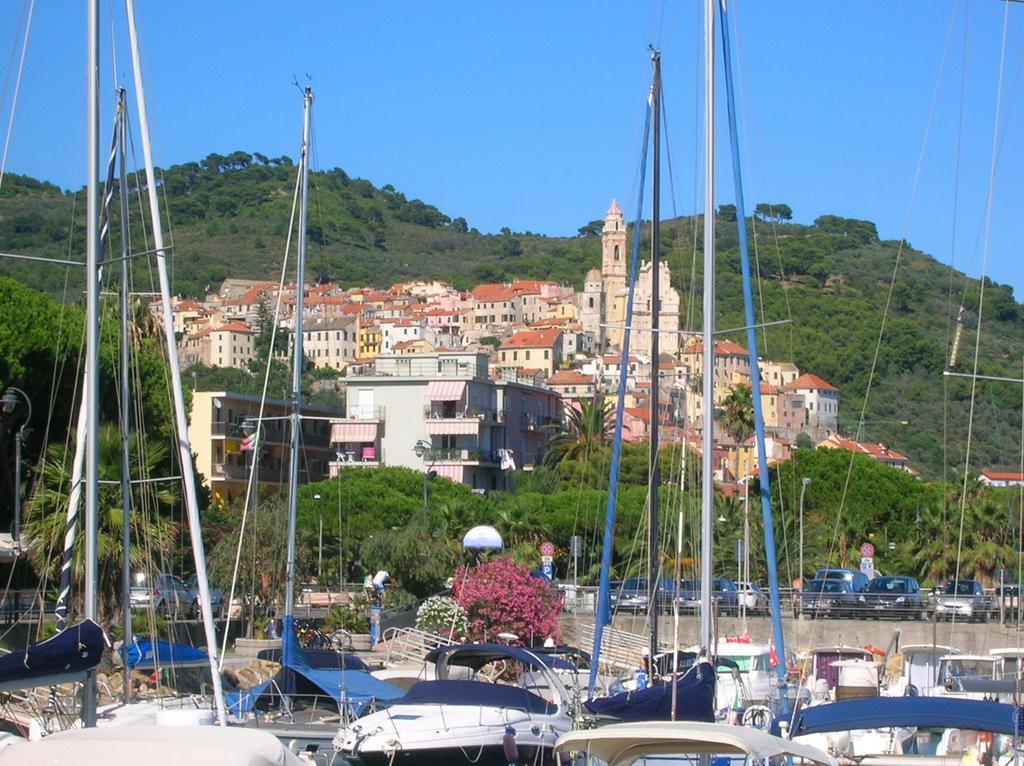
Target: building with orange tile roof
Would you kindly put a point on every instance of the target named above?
(537, 349)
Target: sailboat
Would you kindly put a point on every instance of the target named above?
(706, 646)
(280, 704)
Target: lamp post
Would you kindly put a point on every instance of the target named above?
(803, 488)
(320, 541)
(10, 403)
(425, 452)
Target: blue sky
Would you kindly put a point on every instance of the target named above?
(529, 114)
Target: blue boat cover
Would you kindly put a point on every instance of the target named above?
(145, 653)
(477, 693)
(695, 699)
(354, 689)
(68, 654)
(320, 658)
(924, 712)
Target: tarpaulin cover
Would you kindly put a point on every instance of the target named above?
(298, 677)
(924, 712)
(69, 653)
(695, 699)
(144, 653)
(323, 659)
(478, 693)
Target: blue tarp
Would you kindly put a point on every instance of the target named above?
(298, 677)
(145, 653)
(924, 712)
(63, 657)
(695, 699)
(324, 659)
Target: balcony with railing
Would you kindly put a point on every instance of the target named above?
(356, 456)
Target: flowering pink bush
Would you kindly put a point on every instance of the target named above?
(501, 596)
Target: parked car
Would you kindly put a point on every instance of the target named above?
(724, 595)
(828, 598)
(859, 580)
(752, 597)
(218, 601)
(166, 594)
(963, 598)
(633, 595)
(898, 597)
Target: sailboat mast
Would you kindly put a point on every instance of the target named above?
(707, 465)
(126, 417)
(188, 473)
(300, 282)
(92, 344)
(654, 480)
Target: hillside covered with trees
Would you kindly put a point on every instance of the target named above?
(228, 216)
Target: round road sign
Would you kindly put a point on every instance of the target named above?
(867, 550)
(547, 549)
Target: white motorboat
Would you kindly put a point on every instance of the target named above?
(626, 743)
(480, 721)
(154, 746)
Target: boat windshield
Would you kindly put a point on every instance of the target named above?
(748, 662)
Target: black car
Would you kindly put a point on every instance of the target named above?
(828, 598)
(724, 596)
(898, 597)
(633, 595)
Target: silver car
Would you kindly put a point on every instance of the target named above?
(218, 601)
(166, 594)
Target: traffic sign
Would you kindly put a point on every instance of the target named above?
(548, 571)
(867, 566)
(547, 549)
(867, 550)
(547, 559)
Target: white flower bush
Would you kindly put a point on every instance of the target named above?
(440, 614)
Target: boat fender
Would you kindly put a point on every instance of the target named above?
(509, 746)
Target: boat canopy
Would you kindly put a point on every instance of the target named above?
(298, 677)
(61, 659)
(476, 656)
(323, 659)
(154, 746)
(925, 712)
(695, 699)
(622, 744)
(146, 654)
(477, 693)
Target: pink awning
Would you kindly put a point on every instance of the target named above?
(348, 433)
(445, 390)
(453, 472)
(466, 426)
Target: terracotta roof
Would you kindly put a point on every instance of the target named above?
(570, 377)
(532, 339)
(811, 381)
(187, 305)
(1003, 475)
(528, 285)
(767, 389)
(877, 451)
(722, 348)
(615, 359)
(493, 293)
(235, 327)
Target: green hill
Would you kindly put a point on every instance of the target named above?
(228, 216)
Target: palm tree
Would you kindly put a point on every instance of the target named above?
(588, 429)
(152, 531)
(737, 413)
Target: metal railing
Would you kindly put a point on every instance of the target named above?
(411, 645)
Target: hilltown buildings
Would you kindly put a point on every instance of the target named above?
(478, 379)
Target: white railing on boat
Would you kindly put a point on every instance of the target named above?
(620, 649)
(411, 645)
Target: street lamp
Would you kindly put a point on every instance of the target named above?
(425, 452)
(320, 545)
(803, 488)
(10, 404)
